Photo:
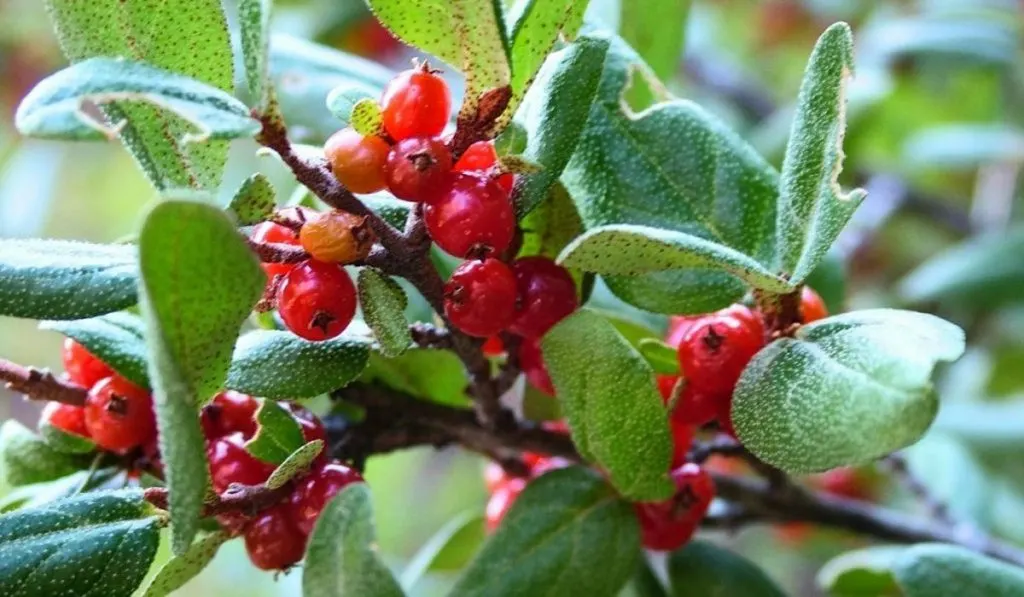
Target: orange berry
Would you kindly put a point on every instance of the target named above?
(337, 237)
(357, 161)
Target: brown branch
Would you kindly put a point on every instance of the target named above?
(40, 384)
(244, 499)
(277, 252)
(429, 336)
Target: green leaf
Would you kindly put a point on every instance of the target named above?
(552, 225)
(297, 462)
(181, 569)
(629, 250)
(254, 21)
(59, 279)
(341, 560)
(27, 459)
(383, 302)
(660, 356)
(862, 572)
(631, 168)
(616, 415)
(702, 568)
(656, 29)
(117, 339)
(468, 527)
(568, 533)
(279, 364)
(813, 209)
(65, 441)
(937, 570)
(366, 117)
(187, 37)
(278, 436)
(844, 390)
(254, 201)
(198, 285)
(436, 375)
(98, 543)
(342, 102)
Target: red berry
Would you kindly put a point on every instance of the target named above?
(531, 361)
(812, 307)
(481, 157)
(844, 481)
(230, 412)
(418, 169)
(668, 525)
(474, 217)
(682, 438)
(692, 408)
(493, 347)
(358, 162)
(312, 427)
(494, 476)
(750, 318)
(317, 300)
(230, 463)
(273, 542)
(677, 327)
(546, 294)
(119, 415)
(480, 297)
(501, 501)
(313, 493)
(269, 232)
(66, 417)
(81, 366)
(416, 103)
(714, 353)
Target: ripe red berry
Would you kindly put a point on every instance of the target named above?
(692, 408)
(545, 295)
(313, 493)
(493, 347)
(269, 232)
(82, 367)
(531, 361)
(501, 501)
(481, 157)
(812, 307)
(494, 476)
(416, 103)
(844, 481)
(66, 417)
(668, 525)
(273, 542)
(229, 412)
(358, 162)
(750, 318)
(474, 217)
(317, 300)
(714, 353)
(418, 169)
(230, 463)
(682, 438)
(480, 297)
(312, 427)
(678, 325)
(337, 236)
(119, 415)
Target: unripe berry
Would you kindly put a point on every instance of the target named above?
(480, 297)
(473, 218)
(416, 103)
(313, 493)
(545, 295)
(358, 162)
(668, 525)
(337, 236)
(812, 307)
(119, 415)
(229, 412)
(317, 300)
(66, 417)
(531, 361)
(81, 366)
(230, 463)
(270, 232)
(273, 542)
(418, 169)
(481, 157)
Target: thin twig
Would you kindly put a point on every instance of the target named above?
(935, 507)
(40, 384)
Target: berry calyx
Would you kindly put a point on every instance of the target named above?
(230, 463)
(272, 232)
(317, 300)
(480, 297)
(66, 417)
(501, 502)
(812, 306)
(273, 542)
(337, 236)
(545, 295)
(229, 412)
(119, 415)
(531, 362)
(313, 493)
(668, 525)
(472, 218)
(416, 103)
(482, 157)
(418, 169)
(358, 162)
(714, 353)
(81, 366)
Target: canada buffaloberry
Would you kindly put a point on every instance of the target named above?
(812, 307)
(317, 300)
(66, 417)
(119, 415)
(472, 218)
(668, 525)
(81, 366)
(416, 103)
(546, 294)
(418, 169)
(501, 501)
(482, 157)
(273, 542)
(337, 236)
(480, 297)
(229, 412)
(531, 361)
(313, 493)
(271, 232)
(714, 352)
(692, 408)
(358, 162)
(230, 463)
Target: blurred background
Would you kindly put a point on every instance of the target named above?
(935, 133)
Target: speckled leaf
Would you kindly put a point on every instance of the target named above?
(656, 29)
(305, 73)
(254, 201)
(845, 390)
(812, 208)
(188, 37)
(661, 357)
(282, 365)
(54, 109)
(366, 117)
(702, 568)
(623, 249)
(297, 462)
(59, 279)
(939, 570)
(278, 435)
(341, 559)
(98, 543)
(254, 21)
(607, 393)
(568, 533)
(434, 375)
(64, 441)
(198, 285)
(117, 339)
(672, 166)
(552, 225)
(181, 569)
(342, 102)
(862, 572)
(26, 458)
(383, 302)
